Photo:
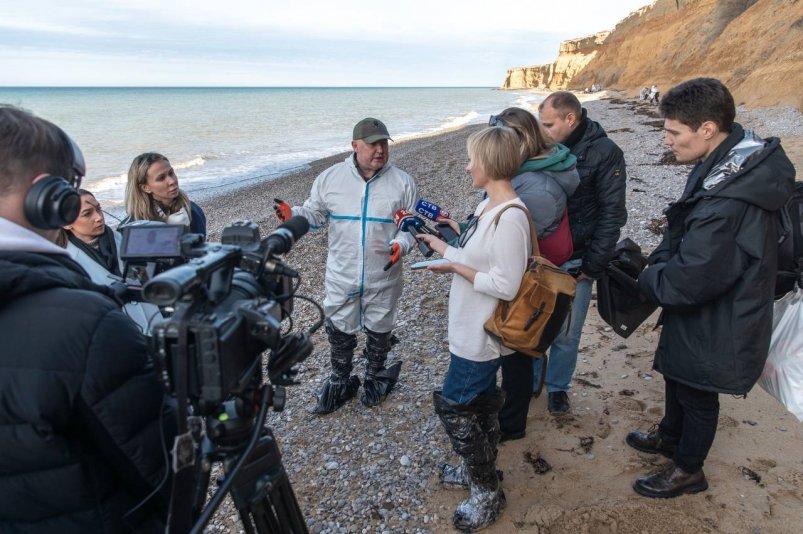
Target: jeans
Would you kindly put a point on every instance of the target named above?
(466, 379)
(563, 352)
(691, 416)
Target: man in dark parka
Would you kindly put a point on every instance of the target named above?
(714, 276)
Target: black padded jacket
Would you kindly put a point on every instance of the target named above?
(597, 209)
(79, 405)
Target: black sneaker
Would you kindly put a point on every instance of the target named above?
(558, 402)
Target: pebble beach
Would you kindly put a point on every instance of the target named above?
(375, 469)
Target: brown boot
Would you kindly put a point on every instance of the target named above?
(671, 481)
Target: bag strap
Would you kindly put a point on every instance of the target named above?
(533, 232)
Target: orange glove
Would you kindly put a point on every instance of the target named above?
(282, 209)
(395, 255)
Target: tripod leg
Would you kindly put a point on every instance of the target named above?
(262, 493)
(278, 512)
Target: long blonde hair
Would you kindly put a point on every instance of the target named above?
(139, 205)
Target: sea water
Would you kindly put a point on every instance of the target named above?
(223, 138)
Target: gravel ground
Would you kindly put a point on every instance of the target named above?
(373, 470)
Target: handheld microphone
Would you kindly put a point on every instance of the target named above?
(431, 211)
(407, 222)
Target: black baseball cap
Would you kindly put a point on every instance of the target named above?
(370, 131)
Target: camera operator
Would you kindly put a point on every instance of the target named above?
(80, 406)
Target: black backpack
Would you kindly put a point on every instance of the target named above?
(790, 243)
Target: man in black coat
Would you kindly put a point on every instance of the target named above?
(596, 214)
(80, 405)
(713, 274)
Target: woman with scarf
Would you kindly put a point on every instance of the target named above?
(153, 194)
(92, 243)
(544, 181)
(95, 247)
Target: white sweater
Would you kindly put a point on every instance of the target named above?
(499, 254)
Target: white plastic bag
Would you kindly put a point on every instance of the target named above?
(783, 373)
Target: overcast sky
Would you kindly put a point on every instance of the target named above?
(288, 42)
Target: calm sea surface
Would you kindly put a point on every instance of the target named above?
(220, 138)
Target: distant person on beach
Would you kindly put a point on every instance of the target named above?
(714, 276)
(643, 93)
(654, 94)
(487, 265)
(358, 199)
(545, 179)
(152, 194)
(82, 408)
(596, 214)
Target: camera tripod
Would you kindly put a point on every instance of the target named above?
(262, 494)
(253, 473)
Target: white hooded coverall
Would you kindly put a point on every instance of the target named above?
(359, 294)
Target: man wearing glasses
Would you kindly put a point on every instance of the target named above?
(358, 199)
(596, 214)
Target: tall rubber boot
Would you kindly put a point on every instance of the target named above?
(488, 407)
(341, 386)
(470, 441)
(379, 381)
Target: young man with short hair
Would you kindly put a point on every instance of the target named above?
(714, 276)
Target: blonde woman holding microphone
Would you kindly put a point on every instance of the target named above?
(487, 265)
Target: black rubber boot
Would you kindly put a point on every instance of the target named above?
(470, 441)
(379, 381)
(488, 407)
(341, 386)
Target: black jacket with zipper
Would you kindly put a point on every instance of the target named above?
(714, 272)
(597, 209)
(79, 405)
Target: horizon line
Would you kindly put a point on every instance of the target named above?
(249, 87)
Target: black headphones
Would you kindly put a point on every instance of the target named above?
(53, 201)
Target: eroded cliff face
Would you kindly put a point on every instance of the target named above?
(754, 46)
(573, 56)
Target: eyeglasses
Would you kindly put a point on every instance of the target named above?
(468, 231)
(496, 121)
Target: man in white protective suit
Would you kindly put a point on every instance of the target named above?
(358, 198)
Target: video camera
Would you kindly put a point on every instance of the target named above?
(228, 302)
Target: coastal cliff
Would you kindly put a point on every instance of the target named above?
(754, 46)
(573, 56)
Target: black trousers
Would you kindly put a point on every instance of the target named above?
(517, 383)
(691, 416)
